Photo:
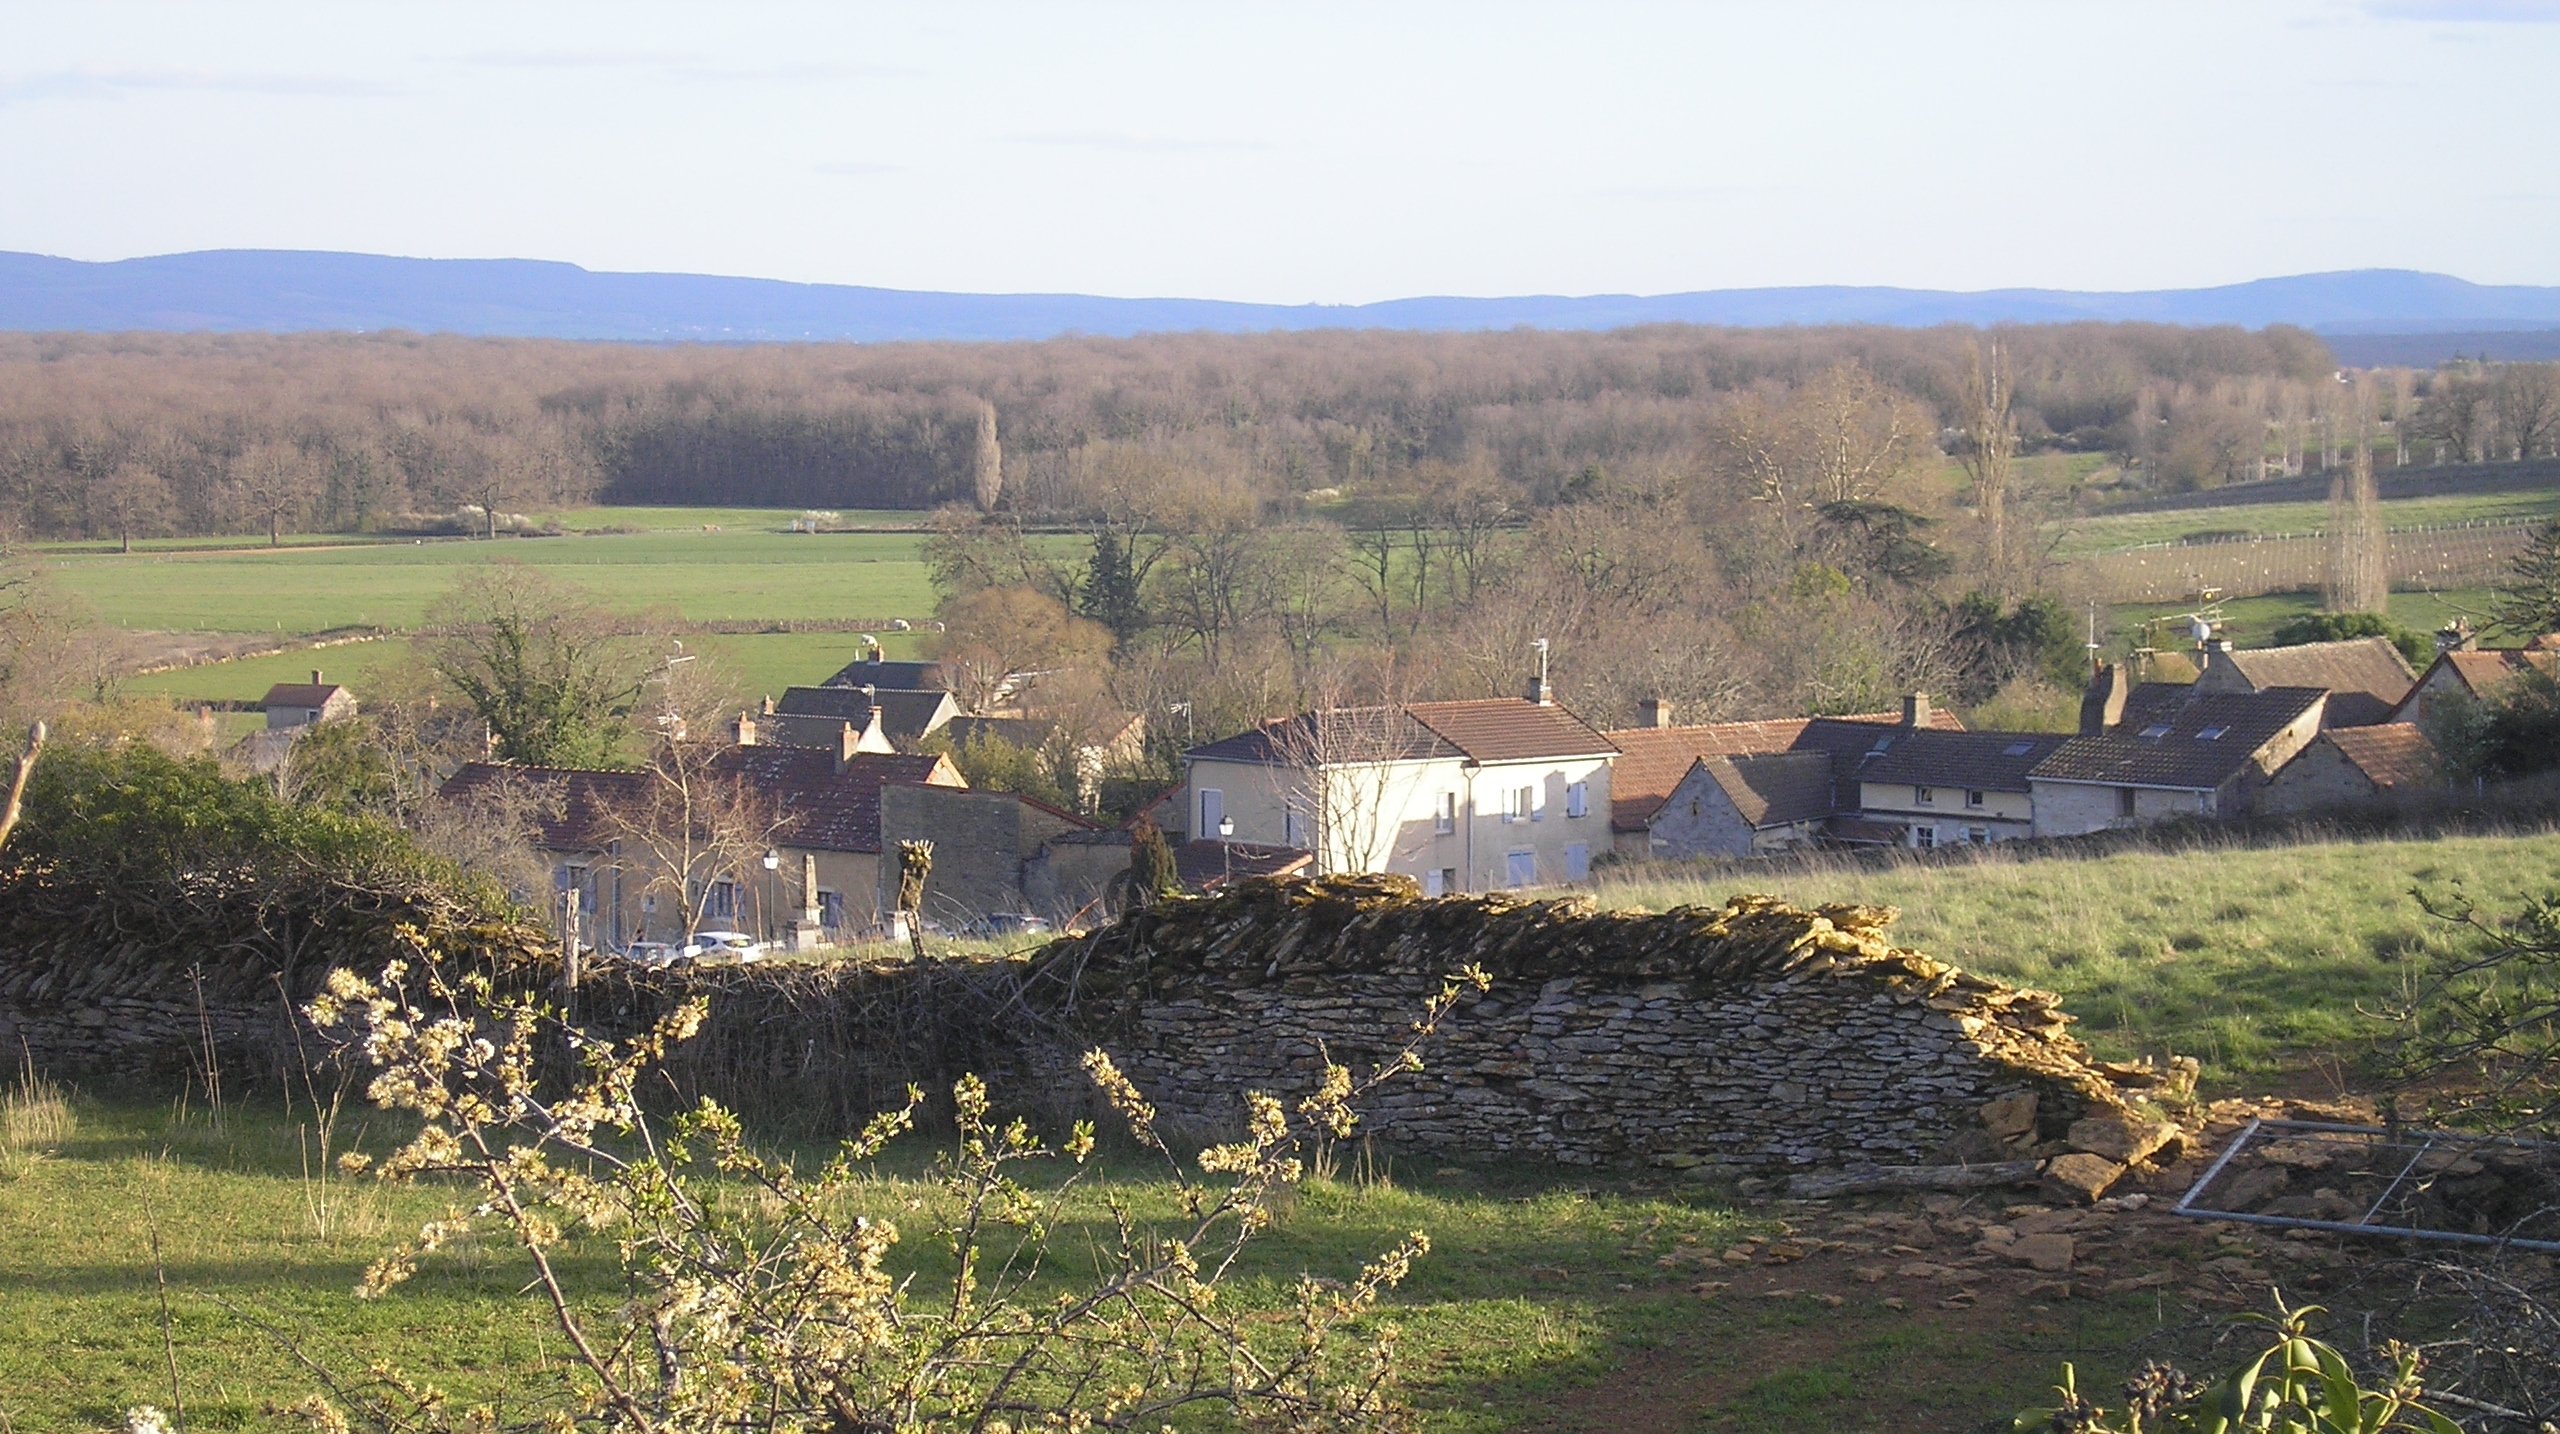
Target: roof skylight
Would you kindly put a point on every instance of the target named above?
(2155, 732)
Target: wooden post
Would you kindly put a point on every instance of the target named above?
(915, 863)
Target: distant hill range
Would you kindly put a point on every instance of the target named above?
(287, 290)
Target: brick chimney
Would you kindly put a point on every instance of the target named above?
(1653, 712)
(315, 677)
(744, 729)
(2102, 705)
(1538, 691)
(1915, 710)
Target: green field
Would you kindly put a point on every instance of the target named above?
(1536, 1292)
(2111, 533)
(701, 576)
(2252, 959)
(2252, 621)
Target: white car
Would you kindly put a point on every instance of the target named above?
(735, 946)
(653, 953)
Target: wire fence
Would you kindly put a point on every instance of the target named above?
(2435, 555)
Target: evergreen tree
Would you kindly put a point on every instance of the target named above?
(1151, 870)
(1110, 592)
(2529, 603)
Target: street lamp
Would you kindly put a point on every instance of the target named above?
(772, 887)
(1226, 849)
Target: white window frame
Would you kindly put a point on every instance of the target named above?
(1980, 836)
(1975, 800)
(1207, 798)
(1924, 838)
(1529, 803)
(1924, 796)
(1293, 827)
(1444, 817)
(1577, 799)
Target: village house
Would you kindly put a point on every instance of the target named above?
(1462, 796)
(1758, 804)
(825, 838)
(1938, 788)
(888, 719)
(2465, 673)
(2366, 677)
(1663, 808)
(299, 704)
(2158, 751)
(2351, 767)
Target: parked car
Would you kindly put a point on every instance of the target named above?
(999, 924)
(735, 946)
(653, 953)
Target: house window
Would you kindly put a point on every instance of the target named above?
(720, 901)
(2124, 801)
(1448, 880)
(831, 909)
(1577, 799)
(1520, 804)
(1977, 835)
(1435, 883)
(1924, 796)
(2211, 734)
(1925, 838)
(2155, 731)
(1529, 804)
(1973, 799)
(1293, 827)
(1213, 809)
(1577, 862)
(1520, 868)
(1444, 817)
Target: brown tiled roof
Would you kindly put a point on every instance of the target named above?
(1773, 789)
(1512, 729)
(2394, 754)
(2487, 669)
(1652, 760)
(300, 694)
(1207, 865)
(2366, 677)
(2177, 754)
(1982, 761)
(823, 808)
(1498, 729)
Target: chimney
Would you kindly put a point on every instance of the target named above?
(2102, 705)
(1654, 712)
(2456, 636)
(848, 742)
(315, 677)
(1538, 692)
(1915, 710)
(745, 730)
(768, 704)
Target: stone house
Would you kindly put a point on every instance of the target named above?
(1657, 758)
(299, 704)
(2157, 751)
(2465, 673)
(1757, 804)
(1935, 788)
(992, 853)
(826, 842)
(2355, 767)
(2366, 677)
(1462, 796)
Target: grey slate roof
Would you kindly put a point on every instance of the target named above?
(905, 676)
(906, 715)
(1981, 761)
(1496, 729)
(2177, 754)
(2366, 677)
(1773, 789)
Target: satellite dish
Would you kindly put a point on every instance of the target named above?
(2201, 631)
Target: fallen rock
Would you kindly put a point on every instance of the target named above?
(2010, 1115)
(2300, 1154)
(2250, 1188)
(2124, 1137)
(2082, 1178)
(2048, 1253)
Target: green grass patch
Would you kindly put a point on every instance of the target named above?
(2113, 532)
(2248, 958)
(727, 575)
(2252, 621)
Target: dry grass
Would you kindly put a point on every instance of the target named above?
(36, 1119)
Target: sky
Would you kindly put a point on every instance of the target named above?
(1306, 152)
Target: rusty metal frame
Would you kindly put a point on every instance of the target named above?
(2363, 1225)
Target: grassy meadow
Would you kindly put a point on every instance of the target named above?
(2256, 960)
(1536, 1291)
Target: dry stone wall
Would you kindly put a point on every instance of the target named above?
(1752, 1039)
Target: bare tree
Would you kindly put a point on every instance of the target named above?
(1990, 443)
(986, 461)
(1347, 759)
(2358, 560)
(2458, 412)
(274, 481)
(693, 820)
(131, 502)
(25, 767)
(2526, 399)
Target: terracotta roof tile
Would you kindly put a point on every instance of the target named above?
(824, 807)
(2394, 754)
(300, 694)
(2366, 677)
(1653, 760)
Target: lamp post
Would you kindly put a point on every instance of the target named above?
(773, 888)
(1226, 850)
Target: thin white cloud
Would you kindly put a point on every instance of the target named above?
(856, 168)
(2490, 12)
(1122, 142)
(578, 59)
(1694, 193)
(94, 84)
(684, 65)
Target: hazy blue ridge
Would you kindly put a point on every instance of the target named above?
(289, 290)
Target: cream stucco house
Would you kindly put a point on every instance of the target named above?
(1462, 796)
